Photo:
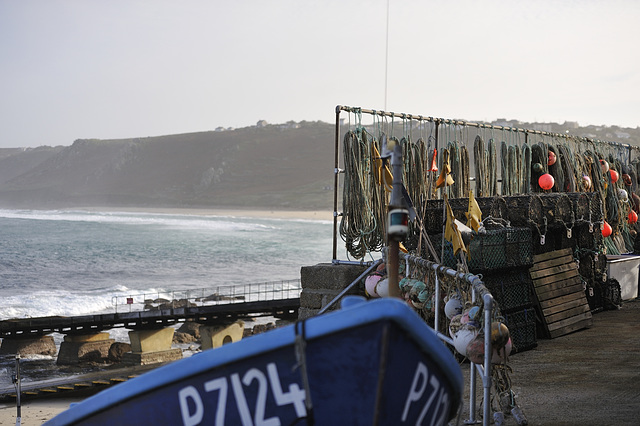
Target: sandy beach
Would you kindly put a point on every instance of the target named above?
(36, 412)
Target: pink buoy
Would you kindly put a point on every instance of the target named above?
(370, 285)
(552, 158)
(475, 350)
(465, 317)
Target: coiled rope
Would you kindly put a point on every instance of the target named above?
(362, 221)
(504, 168)
(492, 171)
(526, 169)
(480, 161)
(556, 170)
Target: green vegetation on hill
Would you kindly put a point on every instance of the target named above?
(273, 166)
(288, 166)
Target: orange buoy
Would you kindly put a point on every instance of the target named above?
(499, 334)
(546, 181)
(614, 175)
(434, 167)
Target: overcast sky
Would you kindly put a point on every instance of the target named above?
(130, 68)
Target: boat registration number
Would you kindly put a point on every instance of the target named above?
(192, 406)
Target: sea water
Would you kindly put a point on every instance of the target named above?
(75, 262)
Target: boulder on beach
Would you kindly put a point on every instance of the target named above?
(179, 337)
(190, 327)
(175, 304)
(117, 350)
(42, 345)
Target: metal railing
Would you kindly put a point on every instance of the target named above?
(240, 293)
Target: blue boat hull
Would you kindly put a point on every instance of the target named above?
(374, 363)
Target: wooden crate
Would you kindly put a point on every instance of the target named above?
(560, 293)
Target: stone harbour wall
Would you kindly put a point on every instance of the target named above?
(321, 283)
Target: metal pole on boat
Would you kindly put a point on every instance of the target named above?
(16, 381)
(397, 224)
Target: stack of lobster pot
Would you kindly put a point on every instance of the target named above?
(503, 255)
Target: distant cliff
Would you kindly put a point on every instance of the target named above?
(269, 166)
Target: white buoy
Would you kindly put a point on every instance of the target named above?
(622, 194)
(463, 337)
(453, 307)
(382, 288)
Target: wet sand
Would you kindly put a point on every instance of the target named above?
(227, 212)
(35, 412)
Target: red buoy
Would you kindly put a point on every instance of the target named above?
(546, 181)
(633, 217)
(606, 229)
(614, 175)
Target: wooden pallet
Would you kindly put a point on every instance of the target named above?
(560, 293)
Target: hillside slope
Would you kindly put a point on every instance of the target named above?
(259, 167)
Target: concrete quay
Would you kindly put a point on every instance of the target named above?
(588, 377)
